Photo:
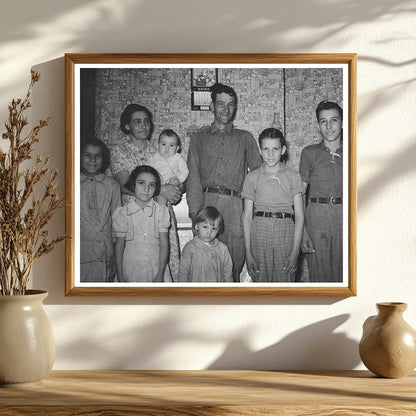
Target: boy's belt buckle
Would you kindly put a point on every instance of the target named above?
(332, 200)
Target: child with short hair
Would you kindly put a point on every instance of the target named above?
(322, 172)
(273, 213)
(205, 258)
(99, 198)
(168, 161)
(141, 226)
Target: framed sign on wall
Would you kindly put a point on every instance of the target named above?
(283, 225)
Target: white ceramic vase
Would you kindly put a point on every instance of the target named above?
(27, 346)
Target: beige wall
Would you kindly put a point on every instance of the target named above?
(197, 333)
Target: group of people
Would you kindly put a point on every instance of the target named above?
(246, 205)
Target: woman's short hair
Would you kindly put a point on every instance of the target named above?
(105, 151)
(127, 113)
(328, 105)
(131, 182)
(272, 133)
(210, 214)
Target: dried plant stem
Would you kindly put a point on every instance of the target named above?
(23, 217)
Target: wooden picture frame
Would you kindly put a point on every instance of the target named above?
(312, 77)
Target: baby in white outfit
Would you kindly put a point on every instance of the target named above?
(168, 161)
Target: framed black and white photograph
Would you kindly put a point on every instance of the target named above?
(211, 174)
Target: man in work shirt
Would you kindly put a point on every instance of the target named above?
(218, 160)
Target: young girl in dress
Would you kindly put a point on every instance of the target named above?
(141, 226)
(99, 198)
(273, 213)
(205, 258)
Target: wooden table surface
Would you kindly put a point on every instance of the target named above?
(254, 393)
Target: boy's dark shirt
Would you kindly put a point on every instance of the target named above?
(322, 170)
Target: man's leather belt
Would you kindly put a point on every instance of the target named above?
(273, 214)
(332, 200)
(221, 190)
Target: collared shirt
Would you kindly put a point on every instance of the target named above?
(219, 158)
(273, 192)
(322, 170)
(139, 224)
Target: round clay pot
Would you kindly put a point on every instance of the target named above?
(27, 346)
(388, 345)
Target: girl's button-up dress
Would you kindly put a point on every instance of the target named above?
(141, 228)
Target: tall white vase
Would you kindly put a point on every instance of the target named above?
(27, 346)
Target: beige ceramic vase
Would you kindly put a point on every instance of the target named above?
(27, 347)
(388, 345)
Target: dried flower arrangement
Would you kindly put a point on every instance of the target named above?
(28, 200)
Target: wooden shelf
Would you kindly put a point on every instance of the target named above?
(208, 393)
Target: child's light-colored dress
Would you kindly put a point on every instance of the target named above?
(141, 228)
(99, 198)
(206, 263)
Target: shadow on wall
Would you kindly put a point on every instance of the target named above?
(314, 347)
(131, 16)
(393, 169)
(141, 347)
(77, 26)
(153, 345)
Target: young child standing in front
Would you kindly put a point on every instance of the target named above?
(321, 170)
(168, 161)
(99, 198)
(205, 258)
(141, 226)
(273, 213)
